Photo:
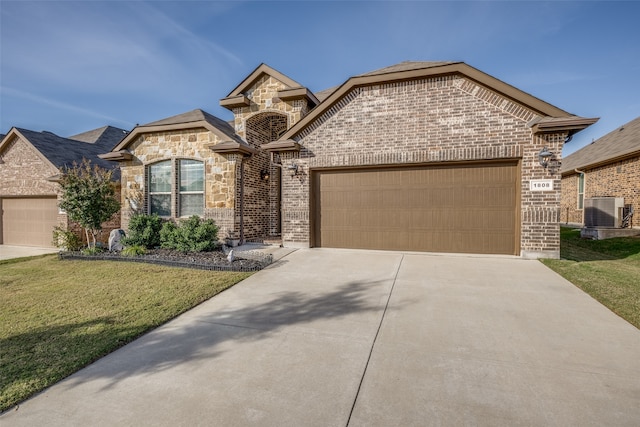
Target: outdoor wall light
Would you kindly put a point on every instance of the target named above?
(264, 175)
(293, 169)
(543, 157)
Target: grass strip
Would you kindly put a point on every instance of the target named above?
(608, 270)
(59, 316)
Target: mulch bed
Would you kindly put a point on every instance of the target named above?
(215, 260)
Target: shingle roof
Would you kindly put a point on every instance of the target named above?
(403, 66)
(196, 116)
(619, 143)
(107, 136)
(324, 94)
(64, 151)
(408, 66)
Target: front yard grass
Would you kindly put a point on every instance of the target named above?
(608, 270)
(59, 316)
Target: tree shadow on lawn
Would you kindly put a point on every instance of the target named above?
(40, 357)
(206, 336)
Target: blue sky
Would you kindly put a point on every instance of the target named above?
(68, 67)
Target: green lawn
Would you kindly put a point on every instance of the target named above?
(608, 270)
(58, 316)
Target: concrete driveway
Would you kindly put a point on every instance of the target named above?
(361, 338)
(9, 252)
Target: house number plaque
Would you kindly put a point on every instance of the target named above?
(541, 185)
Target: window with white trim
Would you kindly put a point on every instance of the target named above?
(176, 188)
(190, 188)
(580, 191)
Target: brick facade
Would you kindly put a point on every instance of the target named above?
(427, 121)
(617, 179)
(263, 121)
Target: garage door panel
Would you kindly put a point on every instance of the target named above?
(29, 221)
(468, 208)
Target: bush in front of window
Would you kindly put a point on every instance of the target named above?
(144, 230)
(190, 235)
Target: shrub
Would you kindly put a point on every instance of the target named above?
(93, 250)
(134, 250)
(66, 239)
(144, 230)
(190, 235)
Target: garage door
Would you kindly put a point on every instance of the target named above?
(457, 209)
(29, 221)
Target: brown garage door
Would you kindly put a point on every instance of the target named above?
(460, 209)
(29, 221)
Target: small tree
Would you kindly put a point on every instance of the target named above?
(88, 196)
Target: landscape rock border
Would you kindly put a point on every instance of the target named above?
(213, 261)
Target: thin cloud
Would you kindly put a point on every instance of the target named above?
(103, 47)
(5, 91)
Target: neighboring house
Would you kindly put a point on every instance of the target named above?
(608, 167)
(30, 165)
(419, 156)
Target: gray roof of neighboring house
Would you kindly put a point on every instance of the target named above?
(621, 142)
(196, 116)
(64, 151)
(107, 136)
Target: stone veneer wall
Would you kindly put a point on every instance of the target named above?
(262, 122)
(426, 121)
(618, 179)
(221, 174)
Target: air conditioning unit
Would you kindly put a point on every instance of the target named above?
(603, 212)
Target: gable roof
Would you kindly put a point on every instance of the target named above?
(412, 70)
(189, 120)
(614, 146)
(59, 151)
(294, 90)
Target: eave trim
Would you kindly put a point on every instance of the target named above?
(281, 146)
(232, 147)
(235, 102)
(116, 156)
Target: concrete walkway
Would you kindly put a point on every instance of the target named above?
(9, 252)
(362, 338)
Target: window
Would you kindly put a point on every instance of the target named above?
(186, 198)
(191, 189)
(160, 188)
(580, 191)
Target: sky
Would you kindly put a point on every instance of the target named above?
(72, 66)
